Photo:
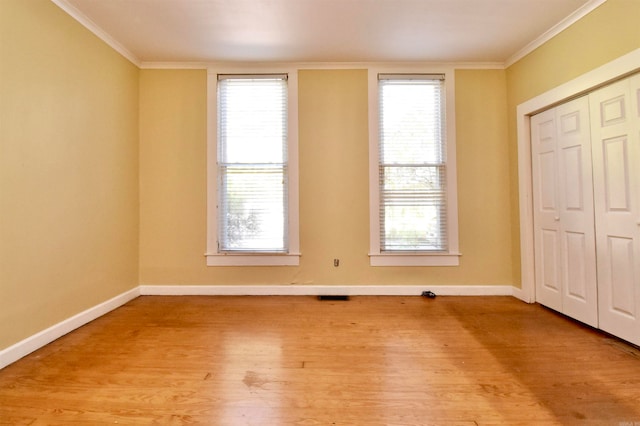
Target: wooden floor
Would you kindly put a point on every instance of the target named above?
(300, 361)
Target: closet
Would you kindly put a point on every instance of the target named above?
(586, 199)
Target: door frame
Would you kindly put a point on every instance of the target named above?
(614, 70)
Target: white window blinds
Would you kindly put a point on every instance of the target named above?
(252, 163)
(412, 163)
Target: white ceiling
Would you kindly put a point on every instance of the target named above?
(487, 31)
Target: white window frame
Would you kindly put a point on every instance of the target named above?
(213, 256)
(450, 257)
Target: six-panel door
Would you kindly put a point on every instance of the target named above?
(563, 211)
(615, 127)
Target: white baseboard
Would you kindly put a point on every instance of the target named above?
(523, 295)
(30, 344)
(315, 290)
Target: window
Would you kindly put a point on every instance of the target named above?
(413, 208)
(252, 170)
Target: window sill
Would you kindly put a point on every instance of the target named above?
(406, 259)
(262, 259)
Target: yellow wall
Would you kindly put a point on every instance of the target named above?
(333, 137)
(607, 33)
(68, 169)
(73, 115)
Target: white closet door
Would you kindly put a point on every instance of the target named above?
(565, 263)
(546, 215)
(577, 242)
(615, 125)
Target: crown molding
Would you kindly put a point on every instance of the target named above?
(530, 47)
(587, 8)
(95, 29)
(321, 65)
(173, 65)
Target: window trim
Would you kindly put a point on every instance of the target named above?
(213, 256)
(451, 257)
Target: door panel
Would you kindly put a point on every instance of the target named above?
(563, 211)
(576, 270)
(616, 155)
(623, 291)
(580, 291)
(548, 182)
(573, 171)
(546, 214)
(616, 174)
(549, 267)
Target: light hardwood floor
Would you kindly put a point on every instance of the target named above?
(300, 361)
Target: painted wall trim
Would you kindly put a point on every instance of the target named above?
(530, 47)
(315, 290)
(25, 347)
(321, 65)
(85, 21)
(587, 8)
(519, 294)
(583, 84)
(38, 340)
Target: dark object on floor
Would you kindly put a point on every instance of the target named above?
(333, 297)
(429, 294)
